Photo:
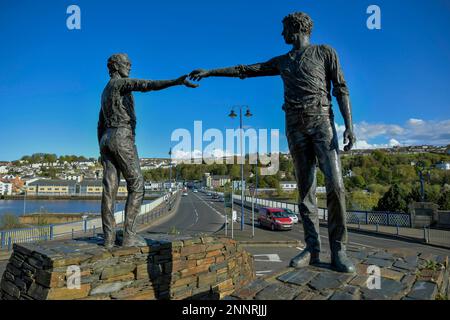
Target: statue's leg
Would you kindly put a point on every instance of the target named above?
(302, 152)
(111, 178)
(327, 148)
(128, 160)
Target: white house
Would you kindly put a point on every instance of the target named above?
(3, 169)
(288, 185)
(5, 188)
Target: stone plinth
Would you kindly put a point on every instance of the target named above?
(169, 267)
(404, 275)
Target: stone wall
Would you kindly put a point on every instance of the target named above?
(170, 267)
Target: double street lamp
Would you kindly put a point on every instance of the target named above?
(233, 115)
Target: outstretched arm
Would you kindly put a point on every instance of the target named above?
(153, 85)
(340, 91)
(269, 68)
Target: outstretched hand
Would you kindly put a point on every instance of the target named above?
(198, 74)
(183, 80)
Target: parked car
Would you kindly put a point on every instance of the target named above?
(215, 196)
(195, 191)
(185, 193)
(292, 215)
(275, 219)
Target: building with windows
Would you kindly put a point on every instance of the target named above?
(215, 181)
(288, 185)
(6, 188)
(70, 188)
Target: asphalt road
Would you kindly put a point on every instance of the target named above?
(194, 215)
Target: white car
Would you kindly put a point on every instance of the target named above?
(185, 194)
(195, 191)
(292, 215)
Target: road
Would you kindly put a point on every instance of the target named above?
(199, 213)
(194, 215)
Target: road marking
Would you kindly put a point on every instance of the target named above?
(262, 273)
(213, 209)
(271, 257)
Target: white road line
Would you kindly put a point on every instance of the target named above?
(271, 257)
(216, 211)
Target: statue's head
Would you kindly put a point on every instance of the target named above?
(296, 24)
(119, 63)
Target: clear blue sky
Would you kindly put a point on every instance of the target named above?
(51, 78)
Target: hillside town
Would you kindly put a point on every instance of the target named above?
(48, 174)
(44, 174)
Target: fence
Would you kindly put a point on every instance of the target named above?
(361, 217)
(51, 232)
(394, 223)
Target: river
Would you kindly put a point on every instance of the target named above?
(16, 207)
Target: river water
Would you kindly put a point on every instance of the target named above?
(16, 207)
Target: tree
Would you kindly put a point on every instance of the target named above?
(444, 201)
(393, 200)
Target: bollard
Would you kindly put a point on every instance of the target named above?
(93, 231)
(9, 244)
(398, 230)
(85, 226)
(377, 227)
(425, 234)
(359, 224)
(51, 232)
(72, 233)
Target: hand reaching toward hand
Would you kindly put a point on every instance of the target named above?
(198, 74)
(183, 80)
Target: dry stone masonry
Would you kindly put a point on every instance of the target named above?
(170, 267)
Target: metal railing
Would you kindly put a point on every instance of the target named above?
(148, 213)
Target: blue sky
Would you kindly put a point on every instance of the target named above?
(51, 78)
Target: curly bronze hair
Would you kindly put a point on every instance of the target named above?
(300, 21)
(116, 58)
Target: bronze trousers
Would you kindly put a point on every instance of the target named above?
(119, 157)
(312, 139)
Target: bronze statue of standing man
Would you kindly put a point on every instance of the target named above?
(116, 137)
(308, 73)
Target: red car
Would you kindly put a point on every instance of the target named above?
(275, 219)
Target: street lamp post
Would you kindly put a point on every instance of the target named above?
(170, 170)
(248, 115)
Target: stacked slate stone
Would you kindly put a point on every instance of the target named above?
(404, 275)
(168, 268)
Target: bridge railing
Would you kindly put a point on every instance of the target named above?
(51, 232)
(384, 218)
(393, 223)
